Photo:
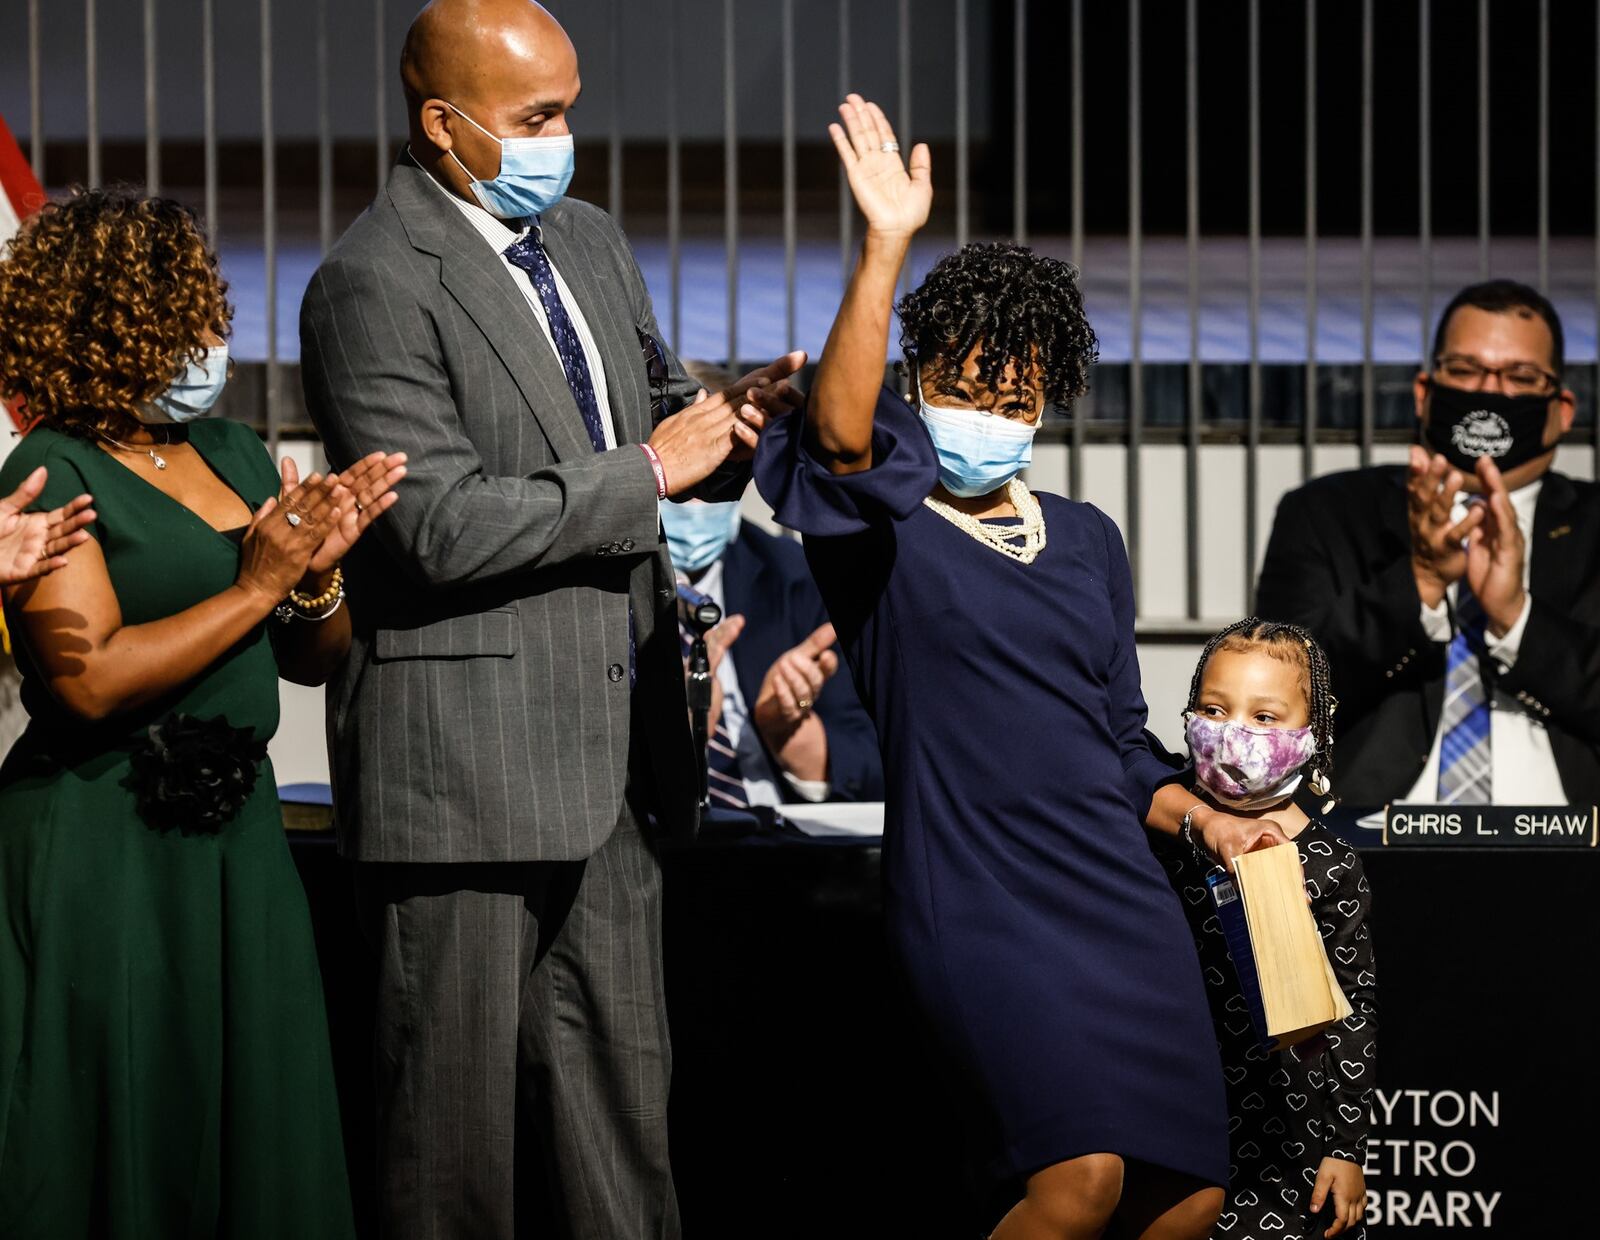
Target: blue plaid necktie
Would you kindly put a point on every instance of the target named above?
(1464, 757)
(725, 785)
(527, 252)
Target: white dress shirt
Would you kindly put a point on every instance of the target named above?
(761, 786)
(1522, 765)
(499, 234)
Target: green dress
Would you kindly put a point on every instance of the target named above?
(164, 1060)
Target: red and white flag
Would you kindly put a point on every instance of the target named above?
(20, 196)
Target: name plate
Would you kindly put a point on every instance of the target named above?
(1508, 826)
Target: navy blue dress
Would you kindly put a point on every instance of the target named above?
(1040, 938)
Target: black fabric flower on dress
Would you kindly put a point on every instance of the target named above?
(194, 774)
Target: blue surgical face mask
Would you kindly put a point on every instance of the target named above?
(697, 533)
(534, 173)
(978, 452)
(192, 393)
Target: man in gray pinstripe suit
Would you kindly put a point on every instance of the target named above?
(513, 707)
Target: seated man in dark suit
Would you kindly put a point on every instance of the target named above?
(1459, 598)
(785, 727)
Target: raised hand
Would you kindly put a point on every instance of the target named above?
(35, 543)
(1495, 552)
(277, 550)
(1438, 553)
(894, 201)
(363, 493)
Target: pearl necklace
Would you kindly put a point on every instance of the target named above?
(1022, 543)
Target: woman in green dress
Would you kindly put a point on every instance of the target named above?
(164, 1064)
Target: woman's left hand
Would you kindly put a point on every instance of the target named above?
(365, 492)
(1228, 838)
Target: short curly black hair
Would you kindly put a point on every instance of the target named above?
(1017, 306)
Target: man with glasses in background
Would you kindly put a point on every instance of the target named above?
(1458, 596)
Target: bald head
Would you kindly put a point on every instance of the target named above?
(506, 64)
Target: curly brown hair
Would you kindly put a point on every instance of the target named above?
(104, 298)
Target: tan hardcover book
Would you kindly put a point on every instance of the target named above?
(1299, 992)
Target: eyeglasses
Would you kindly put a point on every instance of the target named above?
(1517, 379)
(656, 374)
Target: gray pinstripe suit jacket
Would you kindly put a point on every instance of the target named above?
(484, 713)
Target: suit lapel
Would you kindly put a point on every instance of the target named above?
(1552, 572)
(614, 334)
(742, 592)
(474, 275)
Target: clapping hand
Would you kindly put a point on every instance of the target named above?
(894, 200)
(694, 442)
(35, 543)
(1438, 544)
(362, 494)
(792, 686)
(1495, 552)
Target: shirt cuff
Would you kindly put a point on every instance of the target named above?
(1504, 650)
(813, 790)
(1436, 622)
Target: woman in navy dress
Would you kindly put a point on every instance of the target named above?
(990, 633)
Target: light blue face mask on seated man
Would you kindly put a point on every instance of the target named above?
(534, 173)
(192, 393)
(978, 452)
(698, 533)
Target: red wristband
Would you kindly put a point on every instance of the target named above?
(655, 466)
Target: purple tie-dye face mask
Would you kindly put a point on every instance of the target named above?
(1244, 767)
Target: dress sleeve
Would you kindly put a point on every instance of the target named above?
(805, 496)
(1342, 914)
(63, 484)
(1146, 764)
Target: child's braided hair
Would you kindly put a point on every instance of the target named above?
(1291, 643)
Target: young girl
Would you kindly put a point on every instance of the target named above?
(1260, 731)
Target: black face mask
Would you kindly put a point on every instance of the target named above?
(1463, 425)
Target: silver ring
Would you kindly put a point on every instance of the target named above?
(804, 703)
(293, 518)
(359, 508)
(889, 147)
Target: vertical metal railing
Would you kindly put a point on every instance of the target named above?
(963, 127)
(1308, 443)
(1368, 377)
(1078, 431)
(1252, 459)
(91, 74)
(1194, 411)
(152, 119)
(1483, 139)
(1133, 525)
(614, 136)
(730, 178)
(674, 183)
(846, 220)
(1425, 170)
(35, 95)
(984, 137)
(324, 136)
(380, 94)
(1544, 146)
(269, 227)
(791, 222)
(902, 121)
(1019, 123)
(208, 90)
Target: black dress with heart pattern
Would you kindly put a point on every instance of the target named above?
(1287, 1113)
